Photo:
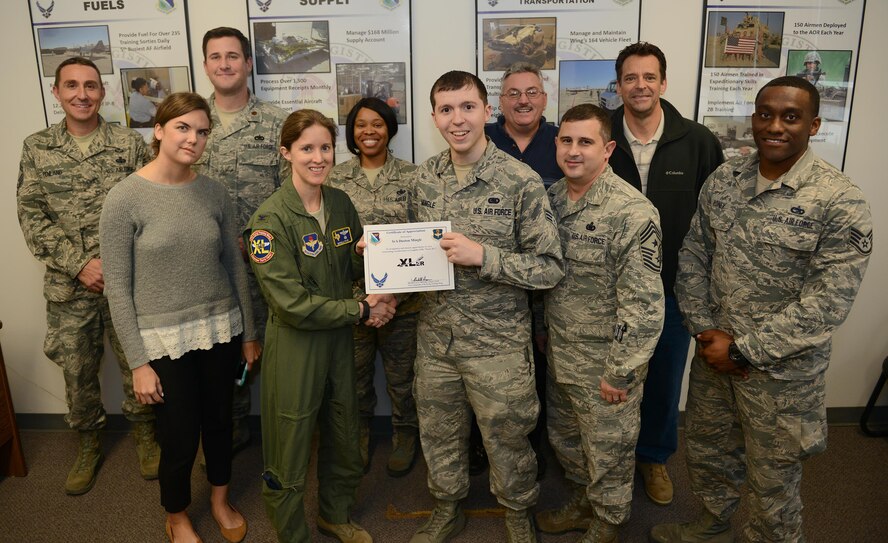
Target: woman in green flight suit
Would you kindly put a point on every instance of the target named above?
(301, 242)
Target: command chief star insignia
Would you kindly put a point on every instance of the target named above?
(651, 247)
(261, 248)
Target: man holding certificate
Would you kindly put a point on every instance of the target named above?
(473, 351)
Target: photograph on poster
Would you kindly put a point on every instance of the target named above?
(384, 80)
(528, 39)
(744, 39)
(147, 87)
(587, 82)
(829, 71)
(292, 47)
(733, 132)
(57, 44)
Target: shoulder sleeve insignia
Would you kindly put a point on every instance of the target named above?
(862, 243)
(261, 246)
(651, 247)
(342, 236)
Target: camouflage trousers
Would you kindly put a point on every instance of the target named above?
(756, 430)
(75, 341)
(500, 389)
(396, 342)
(241, 402)
(594, 440)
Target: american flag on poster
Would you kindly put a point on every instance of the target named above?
(742, 46)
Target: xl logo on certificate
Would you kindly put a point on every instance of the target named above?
(406, 258)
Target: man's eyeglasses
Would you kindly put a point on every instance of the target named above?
(531, 93)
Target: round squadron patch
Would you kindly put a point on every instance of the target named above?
(261, 246)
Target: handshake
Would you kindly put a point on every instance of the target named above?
(382, 309)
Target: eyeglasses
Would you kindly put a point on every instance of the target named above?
(531, 93)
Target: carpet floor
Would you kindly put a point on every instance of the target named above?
(845, 492)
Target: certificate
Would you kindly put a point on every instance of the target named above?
(406, 258)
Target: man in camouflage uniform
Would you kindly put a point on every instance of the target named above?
(604, 319)
(770, 268)
(65, 172)
(523, 132)
(242, 154)
(473, 349)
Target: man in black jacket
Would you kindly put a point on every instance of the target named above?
(666, 157)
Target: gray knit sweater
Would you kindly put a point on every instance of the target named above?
(170, 256)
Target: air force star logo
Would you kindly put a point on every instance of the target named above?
(651, 247)
(379, 282)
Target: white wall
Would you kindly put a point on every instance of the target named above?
(444, 39)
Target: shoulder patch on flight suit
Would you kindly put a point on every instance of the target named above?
(651, 247)
(261, 246)
(342, 236)
(862, 243)
(311, 245)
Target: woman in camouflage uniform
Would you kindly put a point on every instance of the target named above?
(376, 181)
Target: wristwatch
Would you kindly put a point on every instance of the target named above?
(736, 356)
(365, 311)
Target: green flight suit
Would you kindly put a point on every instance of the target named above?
(308, 373)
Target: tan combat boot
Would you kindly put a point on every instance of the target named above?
(573, 516)
(147, 449)
(346, 533)
(519, 527)
(82, 476)
(600, 532)
(706, 529)
(364, 443)
(657, 484)
(447, 520)
(403, 451)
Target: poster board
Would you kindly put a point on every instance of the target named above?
(328, 55)
(746, 44)
(573, 42)
(130, 42)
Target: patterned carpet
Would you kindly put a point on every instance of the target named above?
(845, 492)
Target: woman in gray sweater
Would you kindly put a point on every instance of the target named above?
(177, 287)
